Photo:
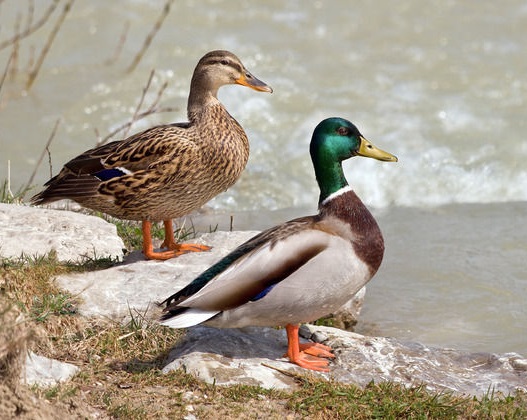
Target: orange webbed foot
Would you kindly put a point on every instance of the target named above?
(310, 362)
(316, 349)
(174, 249)
(180, 249)
(161, 255)
(307, 355)
(170, 242)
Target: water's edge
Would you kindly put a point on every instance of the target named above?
(450, 276)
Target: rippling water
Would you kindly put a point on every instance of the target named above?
(443, 86)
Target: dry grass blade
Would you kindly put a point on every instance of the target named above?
(30, 29)
(33, 73)
(150, 37)
(8, 187)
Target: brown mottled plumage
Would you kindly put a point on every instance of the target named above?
(300, 270)
(168, 170)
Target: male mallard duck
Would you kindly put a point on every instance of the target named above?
(298, 271)
(169, 170)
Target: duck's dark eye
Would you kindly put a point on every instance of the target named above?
(224, 62)
(343, 131)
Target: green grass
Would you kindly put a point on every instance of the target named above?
(131, 233)
(384, 400)
(8, 197)
(132, 236)
(60, 303)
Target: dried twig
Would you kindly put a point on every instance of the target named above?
(156, 101)
(30, 14)
(141, 100)
(6, 70)
(31, 58)
(33, 73)
(150, 37)
(301, 378)
(16, 48)
(120, 45)
(46, 150)
(30, 29)
(152, 109)
(128, 124)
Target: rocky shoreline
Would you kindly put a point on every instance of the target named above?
(248, 356)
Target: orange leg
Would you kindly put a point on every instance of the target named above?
(175, 249)
(171, 243)
(306, 355)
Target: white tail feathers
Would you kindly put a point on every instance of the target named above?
(189, 318)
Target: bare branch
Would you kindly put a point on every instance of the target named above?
(152, 109)
(33, 74)
(120, 45)
(6, 70)
(16, 49)
(128, 124)
(141, 100)
(30, 14)
(30, 29)
(156, 101)
(150, 37)
(46, 149)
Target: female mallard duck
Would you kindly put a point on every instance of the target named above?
(169, 170)
(298, 271)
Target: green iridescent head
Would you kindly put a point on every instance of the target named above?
(335, 140)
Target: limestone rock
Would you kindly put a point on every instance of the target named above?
(227, 357)
(73, 236)
(361, 359)
(116, 291)
(136, 286)
(234, 356)
(44, 372)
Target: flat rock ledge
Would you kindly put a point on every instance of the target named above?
(125, 284)
(238, 356)
(75, 237)
(254, 356)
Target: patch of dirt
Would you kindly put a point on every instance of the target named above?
(16, 400)
(22, 404)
